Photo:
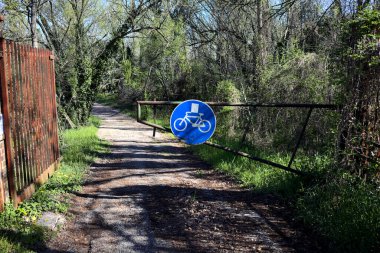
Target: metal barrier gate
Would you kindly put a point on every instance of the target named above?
(289, 168)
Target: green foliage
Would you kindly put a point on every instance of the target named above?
(365, 30)
(7, 247)
(360, 124)
(226, 91)
(300, 77)
(345, 211)
(79, 148)
(163, 56)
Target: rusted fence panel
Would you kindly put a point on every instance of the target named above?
(30, 116)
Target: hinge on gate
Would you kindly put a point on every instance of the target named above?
(1, 54)
(51, 57)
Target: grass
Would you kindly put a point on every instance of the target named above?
(6, 246)
(258, 176)
(343, 211)
(19, 232)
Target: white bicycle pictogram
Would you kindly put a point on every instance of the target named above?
(203, 125)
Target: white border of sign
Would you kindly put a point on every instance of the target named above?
(197, 101)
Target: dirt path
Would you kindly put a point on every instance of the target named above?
(152, 195)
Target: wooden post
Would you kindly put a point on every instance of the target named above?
(154, 118)
(138, 112)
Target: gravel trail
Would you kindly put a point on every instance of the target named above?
(152, 195)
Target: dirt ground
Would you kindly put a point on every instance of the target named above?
(152, 195)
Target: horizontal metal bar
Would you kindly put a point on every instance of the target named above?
(280, 166)
(284, 105)
(155, 125)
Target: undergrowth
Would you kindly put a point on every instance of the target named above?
(18, 229)
(344, 211)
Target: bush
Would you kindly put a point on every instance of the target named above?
(226, 91)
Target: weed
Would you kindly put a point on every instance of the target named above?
(345, 212)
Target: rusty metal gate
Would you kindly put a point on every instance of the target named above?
(288, 167)
(30, 116)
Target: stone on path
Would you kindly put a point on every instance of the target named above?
(52, 221)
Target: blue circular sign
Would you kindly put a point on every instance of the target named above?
(193, 121)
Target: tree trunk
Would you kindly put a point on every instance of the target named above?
(33, 22)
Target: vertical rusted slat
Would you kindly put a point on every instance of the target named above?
(32, 68)
(27, 113)
(20, 117)
(23, 118)
(49, 95)
(44, 90)
(54, 109)
(38, 110)
(53, 106)
(12, 115)
(39, 113)
(55, 113)
(33, 110)
(43, 107)
(15, 116)
(5, 69)
(11, 107)
(48, 98)
(52, 98)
